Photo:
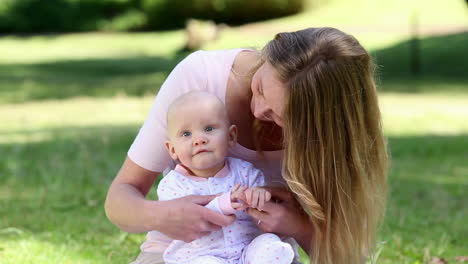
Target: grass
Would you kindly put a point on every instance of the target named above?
(136, 74)
(70, 106)
(58, 170)
(426, 211)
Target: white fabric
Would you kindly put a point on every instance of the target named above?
(228, 242)
(239, 242)
(264, 249)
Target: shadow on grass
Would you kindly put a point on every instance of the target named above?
(443, 65)
(60, 185)
(134, 76)
(443, 68)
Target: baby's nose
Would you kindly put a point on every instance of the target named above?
(200, 141)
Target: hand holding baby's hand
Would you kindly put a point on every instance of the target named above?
(238, 200)
(256, 197)
(242, 197)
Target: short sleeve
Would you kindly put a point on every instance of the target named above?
(148, 149)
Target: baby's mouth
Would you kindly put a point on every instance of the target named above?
(200, 151)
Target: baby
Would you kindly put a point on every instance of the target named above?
(199, 138)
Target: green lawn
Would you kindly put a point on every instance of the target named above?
(59, 156)
(70, 105)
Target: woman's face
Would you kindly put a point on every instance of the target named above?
(268, 95)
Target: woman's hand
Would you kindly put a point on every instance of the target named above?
(284, 217)
(184, 219)
(187, 219)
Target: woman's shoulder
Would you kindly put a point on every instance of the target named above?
(211, 69)
(203, 64)
(216, 53)
(212, 58)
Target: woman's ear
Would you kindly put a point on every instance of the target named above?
(232, 136)
(171, 150)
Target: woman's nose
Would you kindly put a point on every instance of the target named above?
(261, 111)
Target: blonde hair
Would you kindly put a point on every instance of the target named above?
(335, 158)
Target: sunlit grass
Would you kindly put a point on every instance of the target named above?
(387, 14)
(55, 186)
(33, 121)
(88, 45)
(419, 114)
(403, 114)
(73, 247)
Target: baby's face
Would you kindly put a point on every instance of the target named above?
(199, 135)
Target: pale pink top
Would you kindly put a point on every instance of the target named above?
(200, 71)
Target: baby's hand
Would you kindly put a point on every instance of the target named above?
(238, 200)
(256, 197)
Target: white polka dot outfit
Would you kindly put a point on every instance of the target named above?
(239, 243)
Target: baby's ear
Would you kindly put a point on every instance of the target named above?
(232, 136)
(170, 148)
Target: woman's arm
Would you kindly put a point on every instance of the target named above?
(184, 218)
(284, 217)
(126, 205)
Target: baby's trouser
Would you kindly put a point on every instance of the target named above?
(208, 260)
(267, 249)
(264, 249)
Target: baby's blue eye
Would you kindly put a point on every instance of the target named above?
(208, 129)
(186, 134)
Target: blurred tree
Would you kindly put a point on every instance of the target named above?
(35, 16)
(31, 16)
(200, 32)
(174, 13)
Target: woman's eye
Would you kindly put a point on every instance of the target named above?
(186, 134)
(209, 129)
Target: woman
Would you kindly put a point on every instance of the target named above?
(312, 104)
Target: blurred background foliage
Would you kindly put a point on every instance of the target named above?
(26, 16)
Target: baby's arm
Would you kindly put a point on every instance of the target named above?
(172, 187)
(222, 204)
(238, 200)
(256, 196)
(243, 197)
(227, 203)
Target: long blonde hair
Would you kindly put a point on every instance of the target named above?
(335, 158)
